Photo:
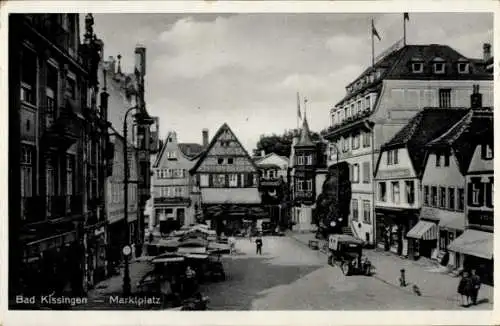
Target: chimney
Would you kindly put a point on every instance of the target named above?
(476, 99)
(486, 51)
(262, 153)
(204, 134)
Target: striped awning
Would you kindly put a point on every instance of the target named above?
(423, 230)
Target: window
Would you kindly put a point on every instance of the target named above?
(26, 171)
(230, 160)
(460, 199)
(299, 185)
(382, 191)
(417, 67)
(434, 196)
(219, 180)
(309, 185)
(171, 155)
(445, 98)
(355, 141)
(439, 68)
(392, 157)
(233, 180)
(220, 160)
(354, 207)
(71, 88)
(476, 193)
(28, 77)
(446, 159)
(486, 152)
(395, 192)
(438, 160)
(204, 180)
(366, 172)
(426, 195)
(463, 68)
(395, 156)
(169, 173)
(367, 103)
(300, 160)
(442, 197)
(178, 192)
(410, 192)
(367, 212)
(366, 139)
(451, 198)
(69, 175)
(346, 144)
(355, 173)
(309, 160)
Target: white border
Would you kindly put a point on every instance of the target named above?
(226, 318)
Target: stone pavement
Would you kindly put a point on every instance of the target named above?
(423, 273)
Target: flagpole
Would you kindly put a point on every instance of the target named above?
(404, 29)
(298, 111)
(373, 45)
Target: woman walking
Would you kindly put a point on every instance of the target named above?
(465, 289)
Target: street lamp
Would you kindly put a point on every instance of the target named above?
(126, 249)
(337, 175)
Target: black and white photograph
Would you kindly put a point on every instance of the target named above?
(250, 161)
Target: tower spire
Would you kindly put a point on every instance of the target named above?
(119, 71)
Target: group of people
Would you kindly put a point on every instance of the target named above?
(468, 288)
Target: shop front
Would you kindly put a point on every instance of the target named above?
(95, 256)
(53, 265)
(423, 238)
(476, 246)
(392, 226)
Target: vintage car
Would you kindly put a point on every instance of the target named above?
(347, 252)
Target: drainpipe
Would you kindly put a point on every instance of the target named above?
(374, 218)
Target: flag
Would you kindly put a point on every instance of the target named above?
(406, 16)
(374, 31)
(299, 115)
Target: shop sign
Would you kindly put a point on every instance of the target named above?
(393, 174)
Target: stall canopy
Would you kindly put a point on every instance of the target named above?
(423, 230)
(447, 219)
(474, 243)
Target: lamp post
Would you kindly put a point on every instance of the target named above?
(126, 248)
(337, 175)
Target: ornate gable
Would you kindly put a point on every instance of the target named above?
(225, 154)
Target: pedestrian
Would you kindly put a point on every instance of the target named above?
(475, 286)
(258, 243)
(232, 244)
(464, 289)
(190, 282)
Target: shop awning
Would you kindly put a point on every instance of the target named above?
(447, 219)
(230, 196)
(423, 230)
(474, 243)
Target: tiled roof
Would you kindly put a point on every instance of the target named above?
(425, 126)
(397, 65)
(230, 196)
(190, 149)
(464, 135)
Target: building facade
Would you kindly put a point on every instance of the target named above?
(228, 180)
(175, 199)
(273, 186)
(308, 172)
(386, 96)
(57, 155)
(398, 177)
(475, 246)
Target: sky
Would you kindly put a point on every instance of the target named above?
(246, 69)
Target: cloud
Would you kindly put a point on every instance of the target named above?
(245, 69)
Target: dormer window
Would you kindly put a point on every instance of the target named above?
(439, 66)
(417, 67)
(463, 67)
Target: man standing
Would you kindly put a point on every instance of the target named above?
(258, 243)
(476, 285)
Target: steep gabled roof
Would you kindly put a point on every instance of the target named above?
(423, 127)
(258, 159)
(201, 157)
(465, 134)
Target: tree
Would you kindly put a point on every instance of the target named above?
(280, 144)
(333, 204)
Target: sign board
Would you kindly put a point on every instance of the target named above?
(395, 173)
(332, 242)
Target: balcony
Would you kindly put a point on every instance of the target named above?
(346, 122)
(64, 131)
